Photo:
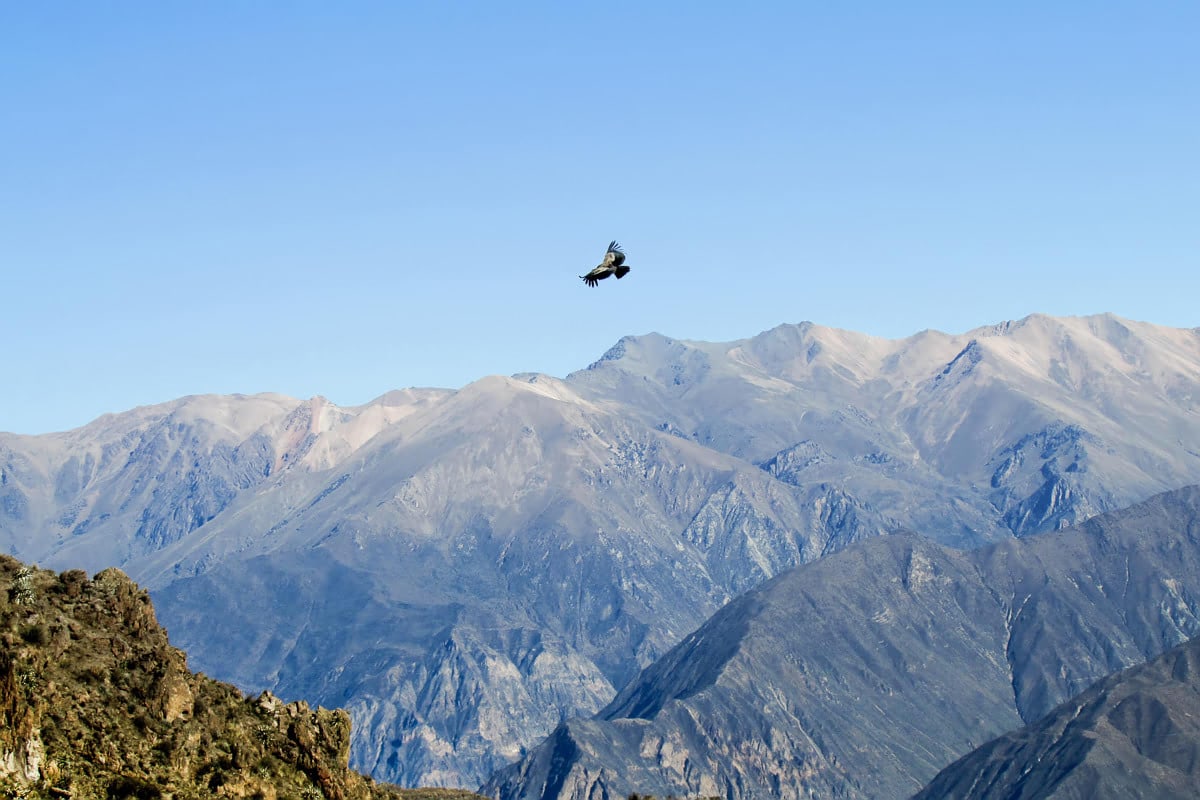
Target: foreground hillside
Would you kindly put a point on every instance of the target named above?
(865, 673)
(95, 703)
(463, 570)
(1132, 736)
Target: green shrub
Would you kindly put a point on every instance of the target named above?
(38, 634)
(126, 787)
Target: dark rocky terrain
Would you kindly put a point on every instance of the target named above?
(1135, 734)
(863, 674)
(95, 703)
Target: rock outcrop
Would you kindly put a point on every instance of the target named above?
(95, 702)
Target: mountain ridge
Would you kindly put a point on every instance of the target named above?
(605, 514)
(862, 674)
(1133, 734)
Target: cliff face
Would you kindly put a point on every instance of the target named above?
(95, 702)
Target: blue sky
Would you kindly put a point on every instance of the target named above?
(342, 199)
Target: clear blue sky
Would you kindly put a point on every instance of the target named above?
(347, 198)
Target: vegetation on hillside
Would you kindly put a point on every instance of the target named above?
(95, 703)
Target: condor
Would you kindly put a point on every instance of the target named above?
(613, 264)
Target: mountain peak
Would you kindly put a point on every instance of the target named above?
(631, 353)
(610, 511)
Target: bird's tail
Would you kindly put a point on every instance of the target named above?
(622, 271)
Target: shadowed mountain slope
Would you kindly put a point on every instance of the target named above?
(863, 674)
(1135, 734)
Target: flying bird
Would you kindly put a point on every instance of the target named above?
(613, 264)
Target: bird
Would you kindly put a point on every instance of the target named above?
(613, 264)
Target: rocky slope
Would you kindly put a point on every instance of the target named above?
(94, 702)
(1135, 735)
(464, 570)
(863, 674)
(1046, 420)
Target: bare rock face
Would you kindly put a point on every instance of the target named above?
(21, 749)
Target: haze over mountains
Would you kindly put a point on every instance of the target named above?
(464, 570)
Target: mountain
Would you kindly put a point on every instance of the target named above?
(1045, 420)
(863, 674)
(464, 570)
(1135, 734)
(94, 702)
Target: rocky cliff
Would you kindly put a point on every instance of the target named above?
(96, 703)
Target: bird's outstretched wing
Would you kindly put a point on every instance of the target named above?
(615, 256)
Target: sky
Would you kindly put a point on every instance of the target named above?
(344, 199)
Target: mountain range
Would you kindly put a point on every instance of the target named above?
(466, 570)
(863, 674)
